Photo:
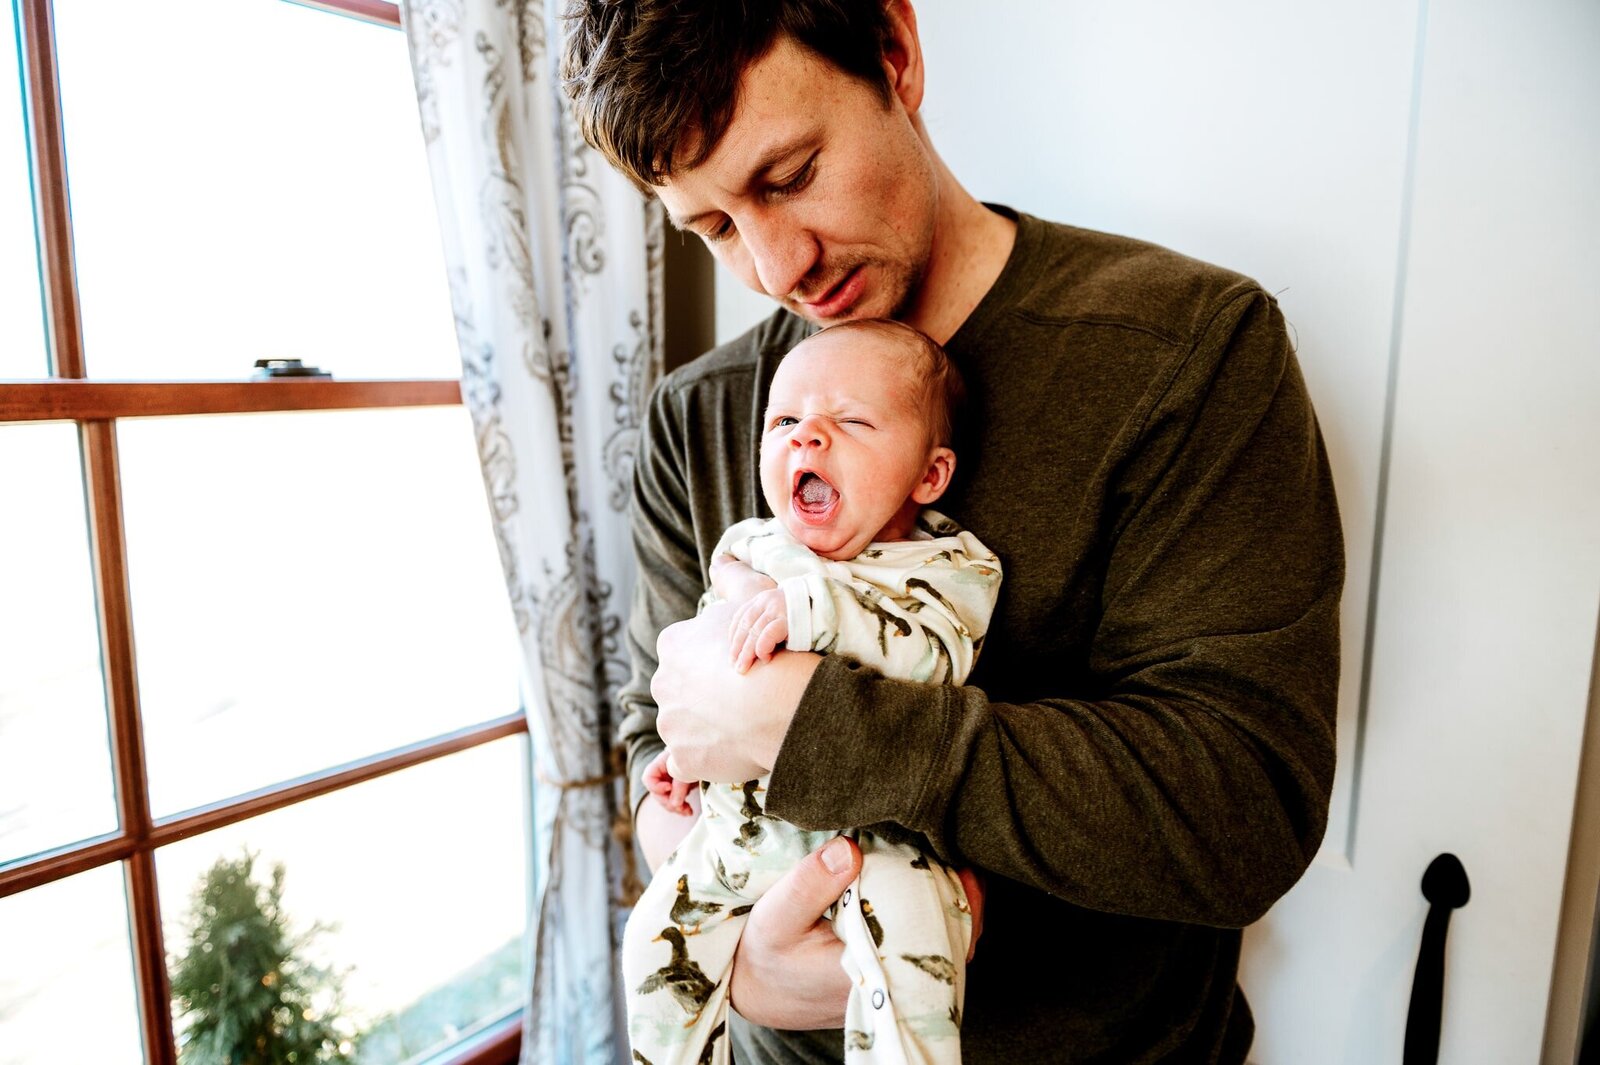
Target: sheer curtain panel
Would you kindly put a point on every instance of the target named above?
(555, 277)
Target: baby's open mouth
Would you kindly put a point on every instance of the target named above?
(813, 496)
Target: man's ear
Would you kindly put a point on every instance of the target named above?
(936, 478)
(902, 55)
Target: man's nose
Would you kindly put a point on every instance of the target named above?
(781, 251)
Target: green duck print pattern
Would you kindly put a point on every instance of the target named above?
(914, 610)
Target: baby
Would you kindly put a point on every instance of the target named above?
(855, 444)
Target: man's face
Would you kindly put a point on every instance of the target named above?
(819, 194)
(846, 450)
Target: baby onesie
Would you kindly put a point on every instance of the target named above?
(912, 609)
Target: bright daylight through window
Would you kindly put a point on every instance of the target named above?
(258, 675)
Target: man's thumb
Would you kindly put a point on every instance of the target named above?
(818, 881)
(841, 858)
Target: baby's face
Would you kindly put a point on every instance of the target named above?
(846, 453)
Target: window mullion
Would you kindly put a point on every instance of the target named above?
(378, 12)
(149, 959)
(118, 846)
(76, 400)
(109, 551)
(52, 210)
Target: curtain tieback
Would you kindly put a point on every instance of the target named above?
(621, 823)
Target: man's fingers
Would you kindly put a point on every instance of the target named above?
(798, 900)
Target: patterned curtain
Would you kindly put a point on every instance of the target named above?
(555, 277)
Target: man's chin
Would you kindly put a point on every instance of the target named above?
(804, 310)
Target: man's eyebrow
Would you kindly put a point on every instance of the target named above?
(683, 224)
(774, 155)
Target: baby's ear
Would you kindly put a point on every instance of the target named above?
(936, 478)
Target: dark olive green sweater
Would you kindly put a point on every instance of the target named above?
(1141, 760)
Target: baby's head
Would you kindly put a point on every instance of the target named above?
(857, 435)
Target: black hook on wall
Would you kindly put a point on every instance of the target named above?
(1445, 887)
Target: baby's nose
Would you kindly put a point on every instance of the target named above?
(809, 433)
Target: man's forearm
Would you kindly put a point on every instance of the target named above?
(1202, 827)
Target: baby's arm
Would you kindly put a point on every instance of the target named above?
(855, 618)
(923, 622)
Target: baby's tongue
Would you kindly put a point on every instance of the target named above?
(815, 493)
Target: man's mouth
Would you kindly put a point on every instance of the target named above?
(814, 498)
(838, 298)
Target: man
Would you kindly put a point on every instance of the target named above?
(1140, 764)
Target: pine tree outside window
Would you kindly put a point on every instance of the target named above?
(241, 614)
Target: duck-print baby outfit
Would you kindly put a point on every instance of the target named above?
(912, 609)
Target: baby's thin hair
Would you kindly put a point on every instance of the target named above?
(945, 390)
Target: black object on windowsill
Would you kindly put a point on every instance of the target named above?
(286, 368)
(1445, 886)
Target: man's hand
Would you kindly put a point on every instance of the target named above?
(721, 725)
(759, 629)
(735, 581)
(787, 972)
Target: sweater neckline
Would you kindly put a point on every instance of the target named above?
(1002, 294)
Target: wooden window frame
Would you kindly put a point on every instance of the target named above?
(96, 406)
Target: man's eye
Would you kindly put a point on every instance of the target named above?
(721, 233)
(798, 181)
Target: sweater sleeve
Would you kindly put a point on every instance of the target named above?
(1189, 779)
(668, 581)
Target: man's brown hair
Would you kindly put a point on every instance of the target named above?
(647, 76)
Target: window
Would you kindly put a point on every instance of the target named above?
(247, 622)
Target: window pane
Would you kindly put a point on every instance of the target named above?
(249, 180)
(66, 973)
(55, 760)
(420, 879)
(21, 308)
(308, 589)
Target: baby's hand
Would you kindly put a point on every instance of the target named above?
(670, 792)
(735, 581)
(761, 625)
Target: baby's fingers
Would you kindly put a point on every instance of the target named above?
(738, 634)
(771, 637)
(744, 655)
